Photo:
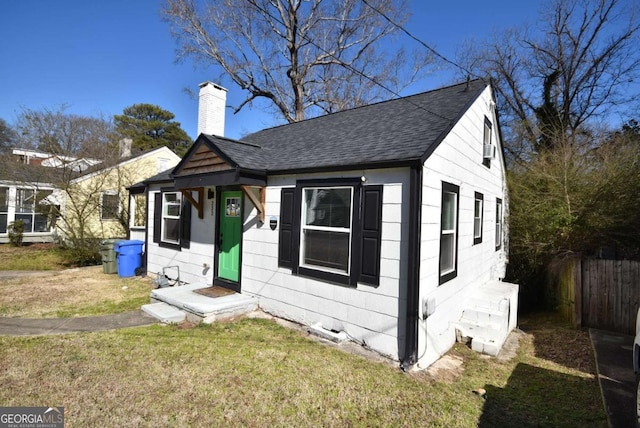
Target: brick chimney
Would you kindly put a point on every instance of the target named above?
(211, 105)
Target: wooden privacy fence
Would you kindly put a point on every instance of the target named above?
(603, 294)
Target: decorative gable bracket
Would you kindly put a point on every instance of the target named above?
(258, 203)
(198, 205)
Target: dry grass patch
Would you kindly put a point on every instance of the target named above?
(72, 292)
(253, 372)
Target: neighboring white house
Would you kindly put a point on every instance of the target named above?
(97, 193)
(27, 192)
(386, 222)
(30, 203)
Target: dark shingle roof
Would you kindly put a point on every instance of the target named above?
(241, 153)
(398, 130)
(13, 171)
(389, 133)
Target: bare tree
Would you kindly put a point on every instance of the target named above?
(8, 136)
(79, 193)
(576, 68)
(306, 57)
(54, 131)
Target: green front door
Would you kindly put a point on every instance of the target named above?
(230, 233)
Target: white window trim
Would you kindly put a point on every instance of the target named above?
(448, 273)
(498, 224)
(487, 133)
(488, 151)
(165, 216)
(119, 209)
(477, 234)
(133, 203)
(304, 226)
(452, 232)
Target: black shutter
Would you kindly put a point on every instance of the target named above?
(185, 224)
(371, 235)
(157, 216)
(285, 244)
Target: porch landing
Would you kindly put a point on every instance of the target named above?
(176, 304)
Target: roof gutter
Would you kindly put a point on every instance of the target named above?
(395, 163)
(410, 354)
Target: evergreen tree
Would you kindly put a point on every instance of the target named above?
(150, 126)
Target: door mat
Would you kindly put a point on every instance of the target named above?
(215, 291)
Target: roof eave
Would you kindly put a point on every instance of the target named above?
(395, 163)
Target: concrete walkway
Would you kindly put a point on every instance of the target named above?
(614, 361)
(40, 326)
(13, 274)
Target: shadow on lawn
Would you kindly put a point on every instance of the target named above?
(555, 340)
(537, 397)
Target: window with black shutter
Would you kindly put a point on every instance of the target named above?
(331, 230)
(171, 220)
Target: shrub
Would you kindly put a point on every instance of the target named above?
(82, 253)
(16, 233)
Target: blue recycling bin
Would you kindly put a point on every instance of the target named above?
(129, 257)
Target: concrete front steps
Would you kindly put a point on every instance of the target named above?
(180, 303)
(490, 314)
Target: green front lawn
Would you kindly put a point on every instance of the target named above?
(253, 372)
(32, 257)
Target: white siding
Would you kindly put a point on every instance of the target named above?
(458, 160)
(138, 234)
(192, 261)
(372, 315)
(368, 314)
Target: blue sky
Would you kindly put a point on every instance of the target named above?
(99, 57)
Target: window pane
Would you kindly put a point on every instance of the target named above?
(25, 200)
(476, 228)
(326, 249)
(449, 211)
(173, 210)
(4, 197)
(171, 205)
(477, 218)
(171, 229)
(110, 205)
(140, 212)
(232, 207)
(447, 250)
(487, 133)
(41, 223)
(27, 219)
(3, 223)
(328, 207)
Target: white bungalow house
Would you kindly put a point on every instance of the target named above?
(385, 223)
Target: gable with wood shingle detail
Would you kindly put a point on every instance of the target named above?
(202, 160)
